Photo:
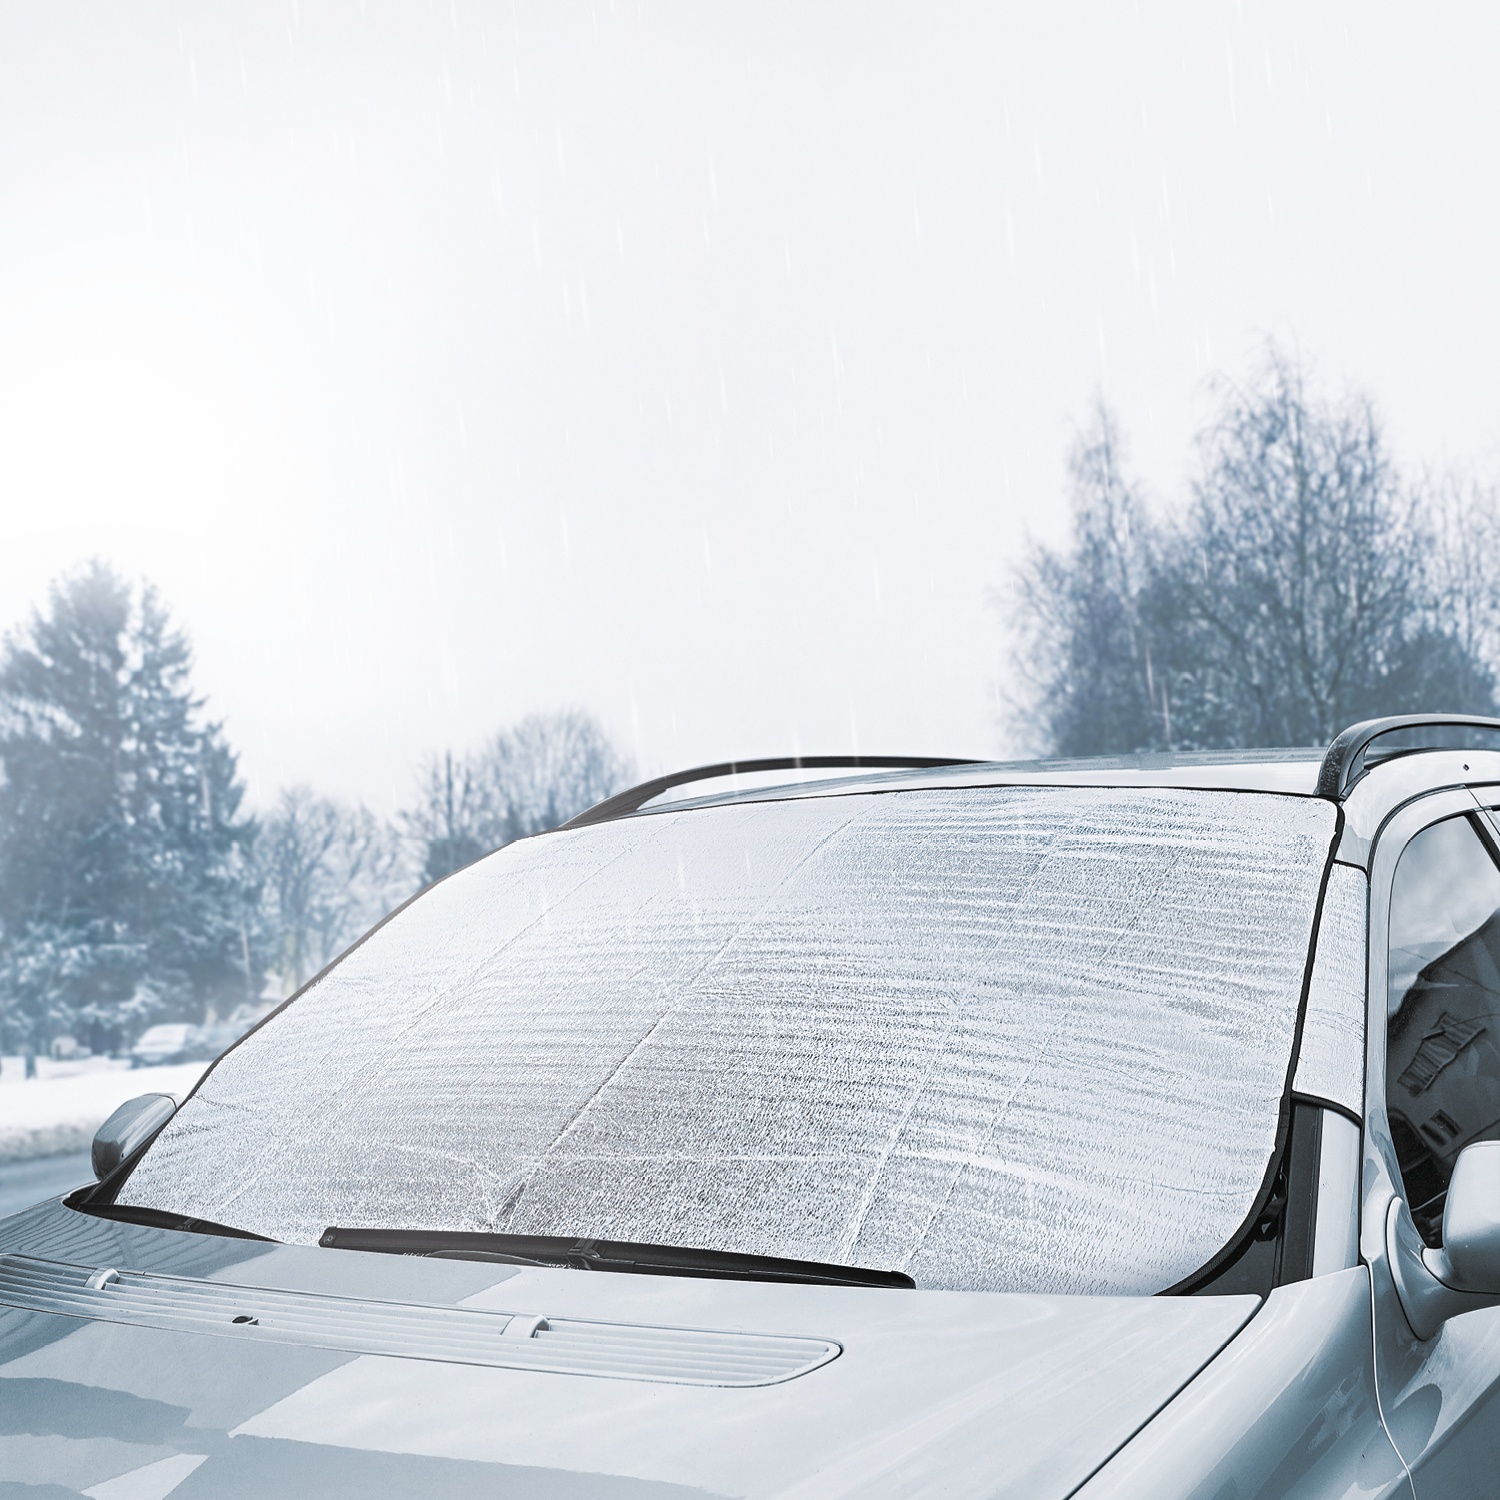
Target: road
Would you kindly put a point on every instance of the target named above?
(23, 1183)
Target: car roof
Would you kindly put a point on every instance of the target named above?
(1311, 771)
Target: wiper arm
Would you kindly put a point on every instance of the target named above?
(157, 1218)
(605, 1255)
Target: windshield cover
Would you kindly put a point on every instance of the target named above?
(1026, 1039)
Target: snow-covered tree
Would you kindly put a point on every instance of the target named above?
(126, 887)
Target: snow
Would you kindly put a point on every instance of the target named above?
(60, 1112)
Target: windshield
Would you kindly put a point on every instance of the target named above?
(1028, 1039)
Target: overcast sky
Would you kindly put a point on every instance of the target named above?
(704, 365)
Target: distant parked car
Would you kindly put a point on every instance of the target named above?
(169, 1043)
(207, 1042)
(175, 1042)
(243, 1017)
(1087, 1130)
(214, 1037)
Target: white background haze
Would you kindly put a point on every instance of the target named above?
(701, 365)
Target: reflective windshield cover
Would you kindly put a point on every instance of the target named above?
(997, 1038)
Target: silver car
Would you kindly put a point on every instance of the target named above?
(1104, 1128)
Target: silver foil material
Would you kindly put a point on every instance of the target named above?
(1331, 1060)
(1000, 1038)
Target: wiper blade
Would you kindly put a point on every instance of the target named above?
(605, 1255)
(158, 1218)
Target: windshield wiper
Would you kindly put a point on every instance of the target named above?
(605, 1255)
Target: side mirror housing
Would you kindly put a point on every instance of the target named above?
(1470, 1257)
(1435, 1285)
(131, 1125)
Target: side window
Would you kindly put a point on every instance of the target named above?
(1443, 1038)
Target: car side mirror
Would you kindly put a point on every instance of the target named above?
(1435, 1285)
(131, 1125)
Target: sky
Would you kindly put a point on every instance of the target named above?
(708, 367)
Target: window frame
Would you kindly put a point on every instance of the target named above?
(1400, 826)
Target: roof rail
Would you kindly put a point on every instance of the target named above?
(636, 797)
(1361, 747)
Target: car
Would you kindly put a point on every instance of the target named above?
(1112, 1128)
(207, 1041)
(170, 1042)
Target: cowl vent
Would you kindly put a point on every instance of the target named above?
(457, 1335)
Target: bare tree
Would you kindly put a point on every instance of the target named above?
(328, 873)
(1461, 515)
(1303, 587)
(452, 822)
(549, 767)
(526, 779)
(1085, 654)
(1296, 581)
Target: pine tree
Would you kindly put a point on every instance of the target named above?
(125, 892)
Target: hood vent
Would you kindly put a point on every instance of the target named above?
(458, 1335)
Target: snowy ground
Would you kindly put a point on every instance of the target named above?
(59, 1111)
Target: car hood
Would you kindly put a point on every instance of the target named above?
(210, 1366)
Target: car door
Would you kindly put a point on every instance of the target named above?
(1433, 1087)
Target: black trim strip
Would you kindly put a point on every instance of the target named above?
(1304, 1158)
(1332, 1106)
